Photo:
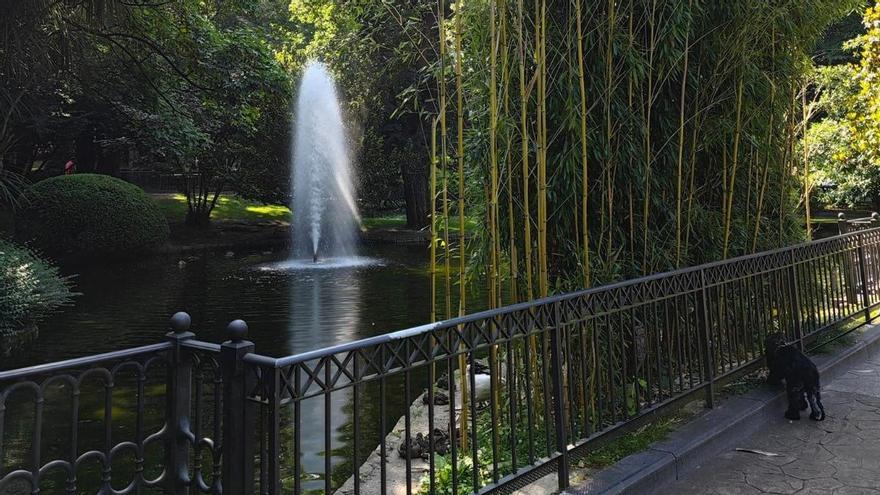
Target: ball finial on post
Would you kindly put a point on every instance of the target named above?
(236, 330)
(875, 216)
(841, 217)
(180, 322)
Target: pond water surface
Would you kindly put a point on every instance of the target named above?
(288, 312)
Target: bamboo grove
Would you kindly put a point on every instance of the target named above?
(596, 140)
(604, 139)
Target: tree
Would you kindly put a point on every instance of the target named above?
(864, 119)
(843, 141)
(192, 86)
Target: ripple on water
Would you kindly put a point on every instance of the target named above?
(321, 264)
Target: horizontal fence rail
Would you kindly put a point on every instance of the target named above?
(484, 403)
(847, 225)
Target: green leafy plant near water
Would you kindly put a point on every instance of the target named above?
(30, 288)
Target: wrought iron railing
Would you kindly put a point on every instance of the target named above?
(543, 381)
(847, 225)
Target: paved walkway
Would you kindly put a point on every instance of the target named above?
(838, 456)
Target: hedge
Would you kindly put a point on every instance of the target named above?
(89, 215)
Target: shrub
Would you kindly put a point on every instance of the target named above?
(30, 288)
(89, 215)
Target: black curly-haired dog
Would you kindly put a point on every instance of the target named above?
(786, 361)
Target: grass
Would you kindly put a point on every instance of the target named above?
(384, 222)
(631, 443)
(234, 208)
(228, 208)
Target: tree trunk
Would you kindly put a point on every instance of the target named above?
(200, 217)
(415, 194)
(86, 151)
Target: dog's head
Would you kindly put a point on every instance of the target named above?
(773, 342)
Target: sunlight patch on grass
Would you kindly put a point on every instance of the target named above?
(228, 208)
(276, 211)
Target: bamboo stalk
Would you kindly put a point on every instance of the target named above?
(786, 166)
(462, 251)
(698, 119)
(434, 238)
(513, 265)
(771, 134)
(734, 161)
(541, 26)
(629, 95)
(459, 109)
(649, 104)
(443, 155)
(684, 74)
(492, 211)
(524, 142)
(585, 185)
(806, 146)
(608, 205)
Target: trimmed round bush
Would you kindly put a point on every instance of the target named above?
(30, 289)
(89, 215)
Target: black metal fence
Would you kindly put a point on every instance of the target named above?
(847, 225)
(486, 403)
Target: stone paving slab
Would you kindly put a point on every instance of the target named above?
(838, 456)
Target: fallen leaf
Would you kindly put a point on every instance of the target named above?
(759, 452)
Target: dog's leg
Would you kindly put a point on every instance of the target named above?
(817, 411)
(773, 377)
(795, 396)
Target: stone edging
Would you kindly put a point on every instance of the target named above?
(714, 431)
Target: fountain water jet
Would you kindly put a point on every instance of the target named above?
(325, 216)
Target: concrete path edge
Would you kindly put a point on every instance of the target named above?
(715, 430)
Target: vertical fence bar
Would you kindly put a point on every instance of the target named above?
(178, 395)
(705, 327)
(796, 299)
(863, 275)
(272, 466)
(238, 412)
(558, 395)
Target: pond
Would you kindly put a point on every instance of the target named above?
(288, 312)
(126, 305)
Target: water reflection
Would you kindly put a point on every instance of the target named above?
(326, 308)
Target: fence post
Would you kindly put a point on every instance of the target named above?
(559, 396)
(706, 340)
(863, 275)
(238, 412)
(841, 223)
(178, 393)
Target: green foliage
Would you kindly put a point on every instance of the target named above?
(464, 472)
(864, 120)
(843, 142)
(30, 288)
(89, 215)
